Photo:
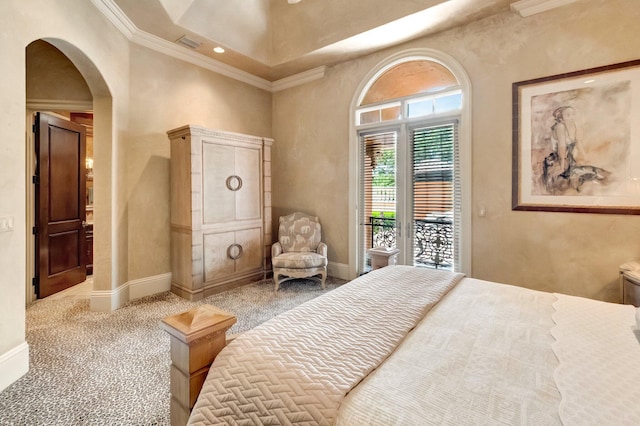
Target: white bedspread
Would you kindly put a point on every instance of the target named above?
(298, 367)
(599, 372)
(482, 356)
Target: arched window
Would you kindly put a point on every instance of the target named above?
(409, 194)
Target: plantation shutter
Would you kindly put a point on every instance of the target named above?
(377, 190)
(436, 195)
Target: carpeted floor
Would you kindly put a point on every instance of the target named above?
(89, 368)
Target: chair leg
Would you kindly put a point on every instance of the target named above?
(276, 280)
(323, 276)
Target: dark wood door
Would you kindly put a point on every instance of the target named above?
(60, 204)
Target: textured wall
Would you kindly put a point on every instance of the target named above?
(572, 253)
(95, 45)
(51, 75)
(167, 93)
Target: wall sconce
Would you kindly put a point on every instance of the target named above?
(88, 162)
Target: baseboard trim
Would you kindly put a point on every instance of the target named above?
(110, 300)
(13, 365)
(149, 286)
(338, 270)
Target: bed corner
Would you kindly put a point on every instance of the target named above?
(197, 336)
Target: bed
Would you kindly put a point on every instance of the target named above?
(404, 345)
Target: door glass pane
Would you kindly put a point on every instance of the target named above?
(378, 197)
(433, 195)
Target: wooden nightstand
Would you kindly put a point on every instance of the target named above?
(630, 283)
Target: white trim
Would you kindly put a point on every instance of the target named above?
(171, 49)
(338, 270)
(116, 16)
(110, 300)
(530, 7)
(464, 139)
(13, 365)
(149, 286)
(55, 104)
(121, 21)
(298, 79)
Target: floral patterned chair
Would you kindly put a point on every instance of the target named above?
(299, 253)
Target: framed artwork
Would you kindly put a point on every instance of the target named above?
(576, 141)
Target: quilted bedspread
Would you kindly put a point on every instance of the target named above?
(297, 369)
(482, 356)
(494, 354)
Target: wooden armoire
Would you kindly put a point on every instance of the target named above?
(220, 210)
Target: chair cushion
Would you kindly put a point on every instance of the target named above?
(299, 232)
(299, 260)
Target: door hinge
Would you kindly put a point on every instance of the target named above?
(36, 180)
(35, 281)
(33, 127)
(34, 230)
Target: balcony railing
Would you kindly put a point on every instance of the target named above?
(432, 240)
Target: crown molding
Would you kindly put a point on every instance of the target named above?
(55, 104)
(171, 49)
(116, 16)
(122, 22)
(298, 79)
(531, 7)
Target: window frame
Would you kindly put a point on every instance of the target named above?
(350, 270)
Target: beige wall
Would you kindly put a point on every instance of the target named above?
(571, 253)
(86, 37)
(137, 96)
(52, 76)
(165, 94)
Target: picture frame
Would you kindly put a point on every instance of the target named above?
(576, 141)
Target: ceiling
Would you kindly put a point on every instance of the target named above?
(273, 40)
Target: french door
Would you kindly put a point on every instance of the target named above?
(410, 193)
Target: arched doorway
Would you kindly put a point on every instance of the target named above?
(83, 90)
(410, 162)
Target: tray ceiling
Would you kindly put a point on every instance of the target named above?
(271, 40)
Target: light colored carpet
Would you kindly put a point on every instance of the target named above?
(89, 368)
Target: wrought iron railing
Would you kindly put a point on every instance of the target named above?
(432, 240)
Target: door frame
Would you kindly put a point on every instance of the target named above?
(34, 106)
(464, 134)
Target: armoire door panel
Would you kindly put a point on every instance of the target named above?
(248, 196)
(219, 202)
(251, 242)
(217, 263)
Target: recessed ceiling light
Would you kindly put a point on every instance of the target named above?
(293, 1)
(589, 81)
(218, 49)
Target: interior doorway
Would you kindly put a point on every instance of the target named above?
(61, 198)
(55, 85)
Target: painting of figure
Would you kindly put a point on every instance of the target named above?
(580, 140)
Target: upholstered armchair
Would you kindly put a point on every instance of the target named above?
(299, 253)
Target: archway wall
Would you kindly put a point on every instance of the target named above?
(81, 32)
(138, 94)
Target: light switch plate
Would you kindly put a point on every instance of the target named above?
(6, 223)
